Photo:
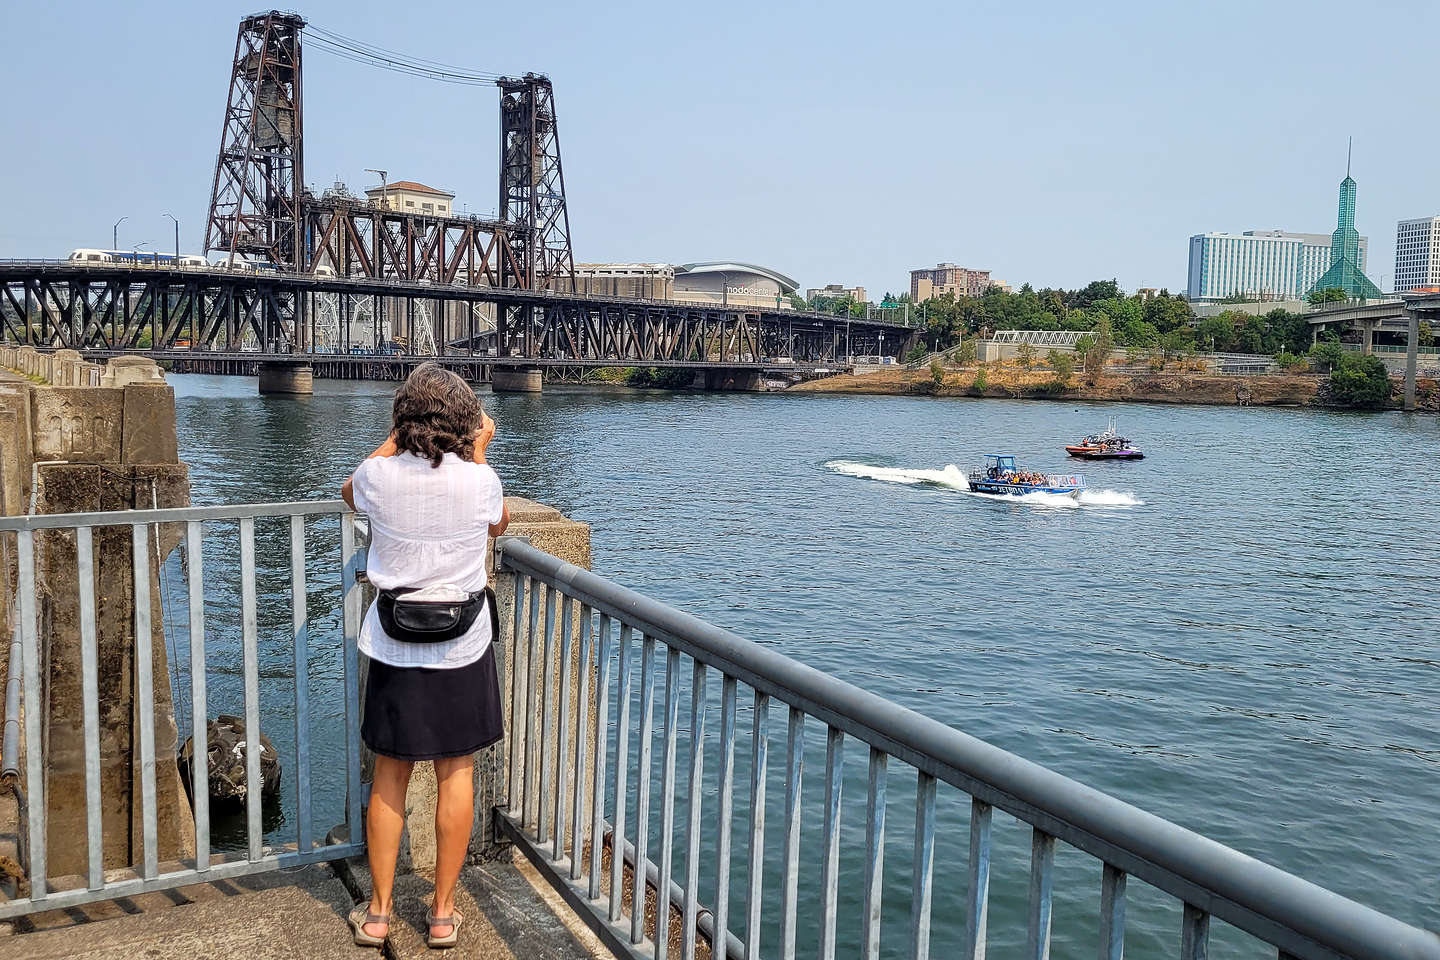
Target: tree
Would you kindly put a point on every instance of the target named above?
(1094, 348)
(1327, 355)
(1063, 364)
(1286, 331)
(937, 372)
(968, 353)
(798, 302)
(1025, 353)
(1216, 333)
(1328, 295)
(1177, 343)
(1095, 291)
(981, 381)
(1426, 336)
(1166, 313)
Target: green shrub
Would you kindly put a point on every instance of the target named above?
(1291, 363)
(1063, 364)
(1328, 355)
(981, 381)
(661, 378)
(937, 372)
(1025, 353)
(1359, 381)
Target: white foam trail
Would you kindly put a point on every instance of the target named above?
(953, 477)
(1108, 498)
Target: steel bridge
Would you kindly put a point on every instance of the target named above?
(174, 312)
(336, 277)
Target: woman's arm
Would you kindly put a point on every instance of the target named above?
(498, 528)
(347, 489)
(483, 436)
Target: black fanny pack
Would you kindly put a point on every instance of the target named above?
(433, 621)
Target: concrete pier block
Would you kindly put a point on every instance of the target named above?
(287, 378)
(733, 379)
(128, 369)
(516, 379)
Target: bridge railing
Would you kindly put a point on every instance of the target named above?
(583, 802)
(43, 546)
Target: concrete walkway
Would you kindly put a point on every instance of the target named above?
(301, 913)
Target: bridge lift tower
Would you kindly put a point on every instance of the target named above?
(258, 202)
(259, 173)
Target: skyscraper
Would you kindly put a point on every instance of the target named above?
(1261, 264)
(1345, 271)
(1417, 254)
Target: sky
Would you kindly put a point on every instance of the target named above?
(849, 142)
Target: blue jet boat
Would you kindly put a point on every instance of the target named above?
(999, 475)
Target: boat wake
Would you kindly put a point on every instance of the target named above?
(953, 478)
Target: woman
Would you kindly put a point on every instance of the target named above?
(433, 504)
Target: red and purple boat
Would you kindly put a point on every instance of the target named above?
(1108, 445)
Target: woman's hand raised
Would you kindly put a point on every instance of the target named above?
(483, 436)
(386, 449)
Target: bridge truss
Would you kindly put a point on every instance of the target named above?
(54, 304)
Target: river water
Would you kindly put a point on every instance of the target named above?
(1238, 633)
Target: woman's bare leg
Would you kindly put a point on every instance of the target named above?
(454, 815)
(383, 825)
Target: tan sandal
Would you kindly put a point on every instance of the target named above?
(360, 916)
(451, 938)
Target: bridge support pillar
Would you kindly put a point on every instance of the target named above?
(287, 378)
(1412, 348)
(1367, 337)
(748, 380)
(515, 379)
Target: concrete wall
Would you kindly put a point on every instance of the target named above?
(63, 368)
(85, 448)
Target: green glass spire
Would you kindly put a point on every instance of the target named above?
(1344, 271)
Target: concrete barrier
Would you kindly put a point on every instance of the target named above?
(72, 447)
(63, 368)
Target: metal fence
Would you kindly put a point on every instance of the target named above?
(100, 882)
(577, 763)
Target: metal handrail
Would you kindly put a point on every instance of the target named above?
(1300, 918)
(151, 873)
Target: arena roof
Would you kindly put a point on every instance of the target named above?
(734, 266)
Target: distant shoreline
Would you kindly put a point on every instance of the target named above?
(1178, 387)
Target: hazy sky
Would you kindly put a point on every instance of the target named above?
(1053, 143)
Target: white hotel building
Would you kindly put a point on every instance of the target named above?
(1259, 264)
(1417, 254)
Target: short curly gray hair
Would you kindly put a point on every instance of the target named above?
(436, 412)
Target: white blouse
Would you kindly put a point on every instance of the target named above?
(428, 526)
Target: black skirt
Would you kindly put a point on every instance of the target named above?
(420, 713)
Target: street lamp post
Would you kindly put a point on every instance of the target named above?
(115, 233)
(177, 238)
(384, 191)
(882, 346)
